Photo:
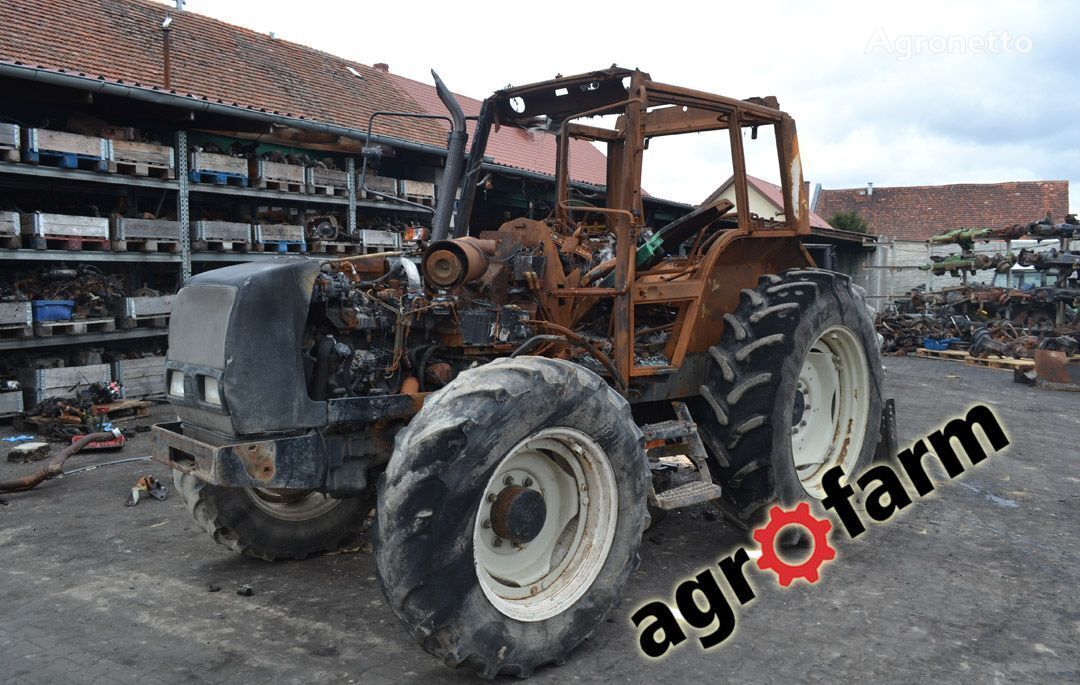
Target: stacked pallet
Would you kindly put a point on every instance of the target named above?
(277, 176)
(10, 231)
(63, 231)
(138, 312)
(144, 235)
(209, 167)
(38, 384)
(419, 191)
(382, 185)
(322, 181)
(16, 320)
(9, 142)
(221, 236)
(142, 159)
(11, 403)
(279, 238)
(64, 150)
(140, 377)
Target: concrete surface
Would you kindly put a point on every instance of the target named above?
(975, 584)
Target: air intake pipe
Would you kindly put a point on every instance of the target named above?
(455, 162)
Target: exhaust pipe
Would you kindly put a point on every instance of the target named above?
(455, 162)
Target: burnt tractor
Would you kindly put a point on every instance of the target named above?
(517, 404)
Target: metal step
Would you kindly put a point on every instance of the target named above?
(685, 495)
(669, 430)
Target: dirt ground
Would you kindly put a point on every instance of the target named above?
(974, 584)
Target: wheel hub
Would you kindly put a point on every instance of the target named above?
(518, 514)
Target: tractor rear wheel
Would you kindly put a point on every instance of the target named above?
(510, 515)
(273, 524)
(794, 388)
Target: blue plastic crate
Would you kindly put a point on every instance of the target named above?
(938, 344)
(53, 310)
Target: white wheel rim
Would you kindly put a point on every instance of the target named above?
(546, 575)
(832, 400)
(292, 505)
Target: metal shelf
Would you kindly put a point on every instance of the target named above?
(17, 169)
(88, 256)
(308, 198)
(233, 257)
(85, 338)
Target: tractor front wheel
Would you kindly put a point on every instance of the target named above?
(510, 515)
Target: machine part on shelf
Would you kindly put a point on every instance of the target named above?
(1053, 371)
(964, 237)
(322, 227)
(55, 467)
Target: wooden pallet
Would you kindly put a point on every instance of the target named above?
(154, 321)
(1000, 363)
(331, 191)
(271, 184)
(142, 169)
(65, 160)
(145, 245)
(10, 242)
(219, 178)
(281, 246)
(14, 330)
(949, 355)
(9, 154)
(67, 242)
(45, 329)
(220, 246)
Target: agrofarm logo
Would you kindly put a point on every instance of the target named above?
(705, 607)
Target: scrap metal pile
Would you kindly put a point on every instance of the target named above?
(93, 291)
(990, 319)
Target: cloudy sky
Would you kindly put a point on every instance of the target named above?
(899, 94)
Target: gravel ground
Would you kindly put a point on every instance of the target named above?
(971, 584)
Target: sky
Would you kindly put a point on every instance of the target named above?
(890, 93)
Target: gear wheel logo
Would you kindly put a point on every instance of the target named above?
(819, 531)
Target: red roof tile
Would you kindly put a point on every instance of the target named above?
(121, 40)
(774, 194)
(919, 212)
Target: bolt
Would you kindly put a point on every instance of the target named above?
(491, 497)
(584, 487)
(485, 524)
(534, 589)
(802, 424)
(497, 542)
(508, 480)
(527, 482)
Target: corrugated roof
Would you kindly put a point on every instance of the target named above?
(919, 212)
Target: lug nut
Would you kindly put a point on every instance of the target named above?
(491, 497)
(485, 524)
(527, 482)
(497, 542)
(508, 480)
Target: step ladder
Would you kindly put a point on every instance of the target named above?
(680, 437)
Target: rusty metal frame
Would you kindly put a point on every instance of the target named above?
(647, 109)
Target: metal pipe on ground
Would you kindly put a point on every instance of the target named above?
(55, 467)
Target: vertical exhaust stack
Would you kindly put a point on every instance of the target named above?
(455, 162)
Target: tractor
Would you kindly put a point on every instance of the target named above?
(518, 404)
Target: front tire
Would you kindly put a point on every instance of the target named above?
(272, 525)
(510, 515)
(794, 388)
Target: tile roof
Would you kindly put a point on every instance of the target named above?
(773, 193)
(515, 147)
(121, 40)
(919, 212)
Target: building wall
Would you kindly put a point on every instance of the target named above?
(758, 203)
(892, 270)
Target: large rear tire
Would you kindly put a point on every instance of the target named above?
(273, 525)
(510, 515)
(794, 388)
